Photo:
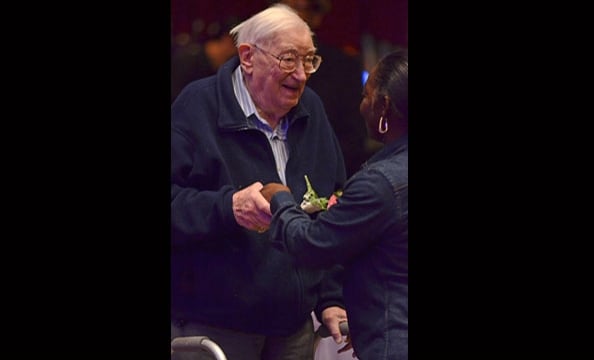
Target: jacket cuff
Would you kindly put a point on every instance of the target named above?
(280, 199)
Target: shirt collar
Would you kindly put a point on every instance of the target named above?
(249, 109)
(242, 94)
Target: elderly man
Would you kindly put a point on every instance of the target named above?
(253, 122)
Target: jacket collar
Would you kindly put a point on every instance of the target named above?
(390, 149)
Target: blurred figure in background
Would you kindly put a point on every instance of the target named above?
(339, 84)
(202, 53)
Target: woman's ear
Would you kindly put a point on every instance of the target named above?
(383, 106)
(246, 54)
(391, 110)
(386, 104)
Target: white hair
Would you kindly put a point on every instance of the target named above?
(268, 24)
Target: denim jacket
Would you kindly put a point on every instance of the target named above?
(366, 232)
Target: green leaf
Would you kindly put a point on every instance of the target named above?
(311, 201)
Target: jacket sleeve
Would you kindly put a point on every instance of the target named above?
(330, 293)
(198, 213)
(334, 236)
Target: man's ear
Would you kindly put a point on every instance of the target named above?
(246, 54)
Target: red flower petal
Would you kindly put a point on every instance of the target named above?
(333, 200)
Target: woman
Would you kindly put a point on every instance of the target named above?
(367, 229)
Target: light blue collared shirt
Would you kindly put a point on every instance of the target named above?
(277, 137)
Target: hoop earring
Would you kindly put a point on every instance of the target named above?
(382, 128)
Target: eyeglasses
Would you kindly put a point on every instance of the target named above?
(288, 62)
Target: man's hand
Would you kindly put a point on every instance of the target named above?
(270, 189)
(250, 208)
(331, 317)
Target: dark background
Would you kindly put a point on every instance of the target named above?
(386, 20)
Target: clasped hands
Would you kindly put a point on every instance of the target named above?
(251, 206)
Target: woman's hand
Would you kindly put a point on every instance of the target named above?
(270, 189)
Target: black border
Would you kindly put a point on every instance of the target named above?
(89, 269)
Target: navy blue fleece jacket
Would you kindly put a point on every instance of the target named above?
(221, 273)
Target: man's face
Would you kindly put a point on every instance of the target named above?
(273, 90)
